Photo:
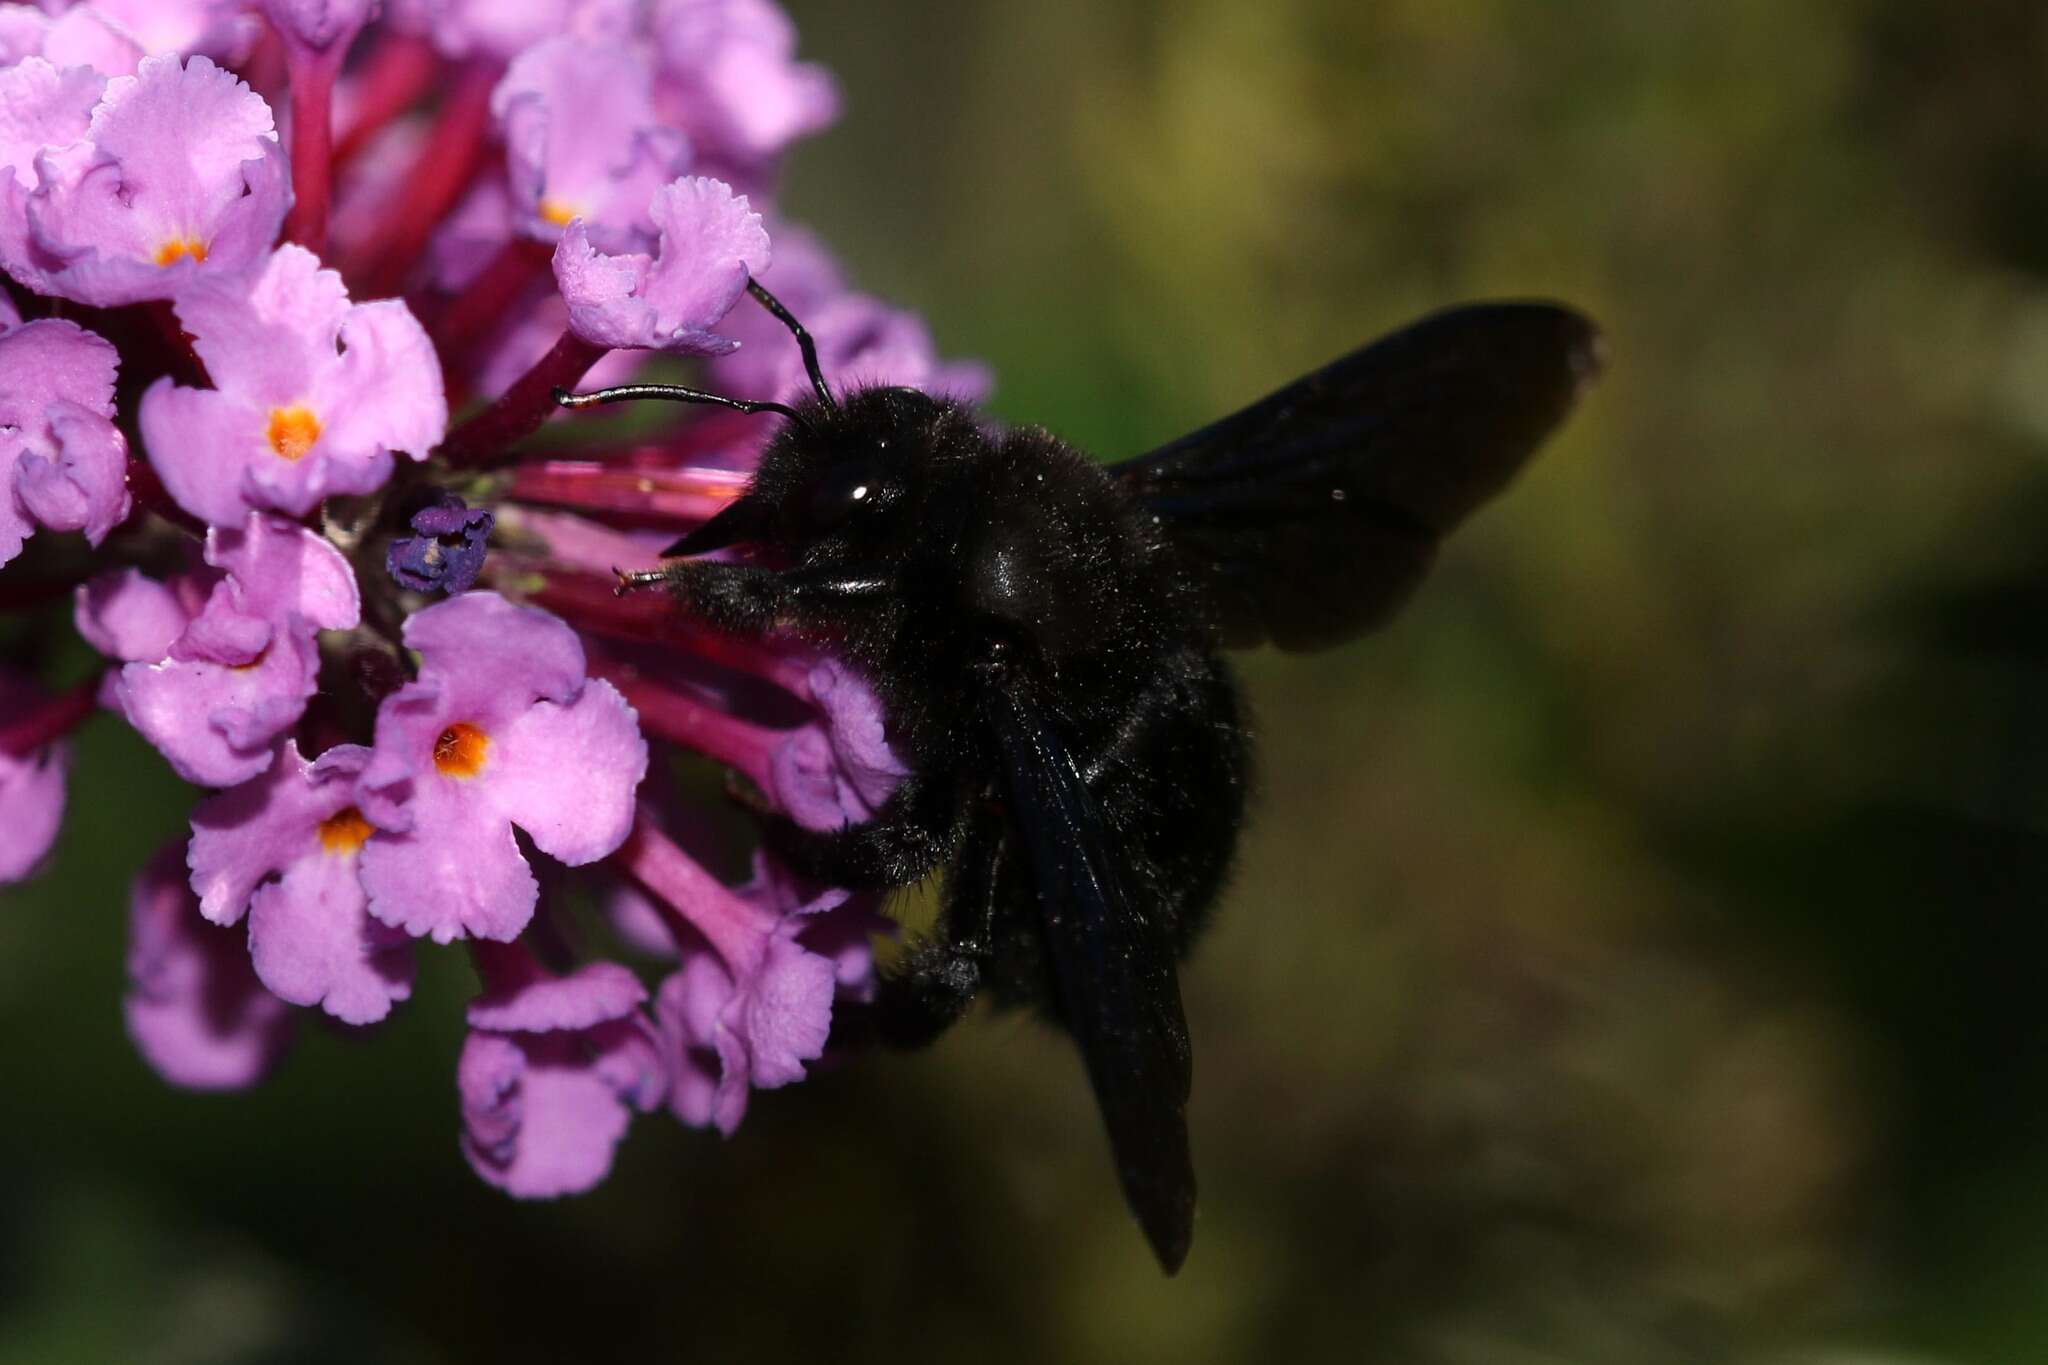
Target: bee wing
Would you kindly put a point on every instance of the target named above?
(1309, 517)
(1119, 993)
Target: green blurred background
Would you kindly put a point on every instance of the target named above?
(1635, 956)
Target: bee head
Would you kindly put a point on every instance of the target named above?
(848, 483)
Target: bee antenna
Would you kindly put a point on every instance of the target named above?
(671, 393)
(803, 340)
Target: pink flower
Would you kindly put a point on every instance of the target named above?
(751, 1003)
(178, 178)
(729, 78)
(501, 729)
(31, 787)
(312, 394)
(861, 340)
(82, 36)
(283, 566)
(322, 25)
(551, 1073)
(711, 242)
(582, 141)
(42, 105)
(283, 847)
(195, 1009)
(221, 29)
(63, 465)
(241, 671)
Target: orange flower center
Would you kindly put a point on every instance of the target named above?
(459, 752)
(181, 249)
(344, 832)
(556, 212)
(293, 431)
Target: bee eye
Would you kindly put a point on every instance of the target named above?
(844, 490)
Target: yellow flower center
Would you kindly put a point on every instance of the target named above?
(459, 752)
(181, 249)
(293, 431)
(556, 212)
(344, 832)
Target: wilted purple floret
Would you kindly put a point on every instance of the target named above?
(729, 78)
(311, 397)
(283, 847)
(194, 1007)
(446, 551)
(550, 1075)
(711, 242)
(241, 672)
(582, 140)
(501, 728)
(63, 465)
(178, 178)
(31, 791)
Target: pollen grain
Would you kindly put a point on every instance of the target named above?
(344, 832)
(459, 752)
(293, 430)
(180, 249)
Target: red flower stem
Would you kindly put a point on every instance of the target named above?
(312, 82)
(650, 619)
(688, 895)
(50, 720)
(679, 718)
(451, 158)
(642, 495)
(519, 411)
(474, 312)
(398, 71)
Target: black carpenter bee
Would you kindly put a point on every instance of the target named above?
(1044, 633)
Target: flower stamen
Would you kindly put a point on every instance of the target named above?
(344, 832)
(459, 752)
(293, 431)
(181, 249)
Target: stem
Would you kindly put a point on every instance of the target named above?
(495, 289)
(688, 895)
(682, 719)
(519, 411)
(451, 158)
(312, 81)
(395, 74)
(598, 610)
(50, 720)
(690, 494)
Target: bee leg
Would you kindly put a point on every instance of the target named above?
(913, 832)
(937, 979)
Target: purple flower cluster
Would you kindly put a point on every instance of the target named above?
(386, 646)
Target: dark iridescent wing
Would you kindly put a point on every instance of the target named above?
(1118, 990)
(1310, 516)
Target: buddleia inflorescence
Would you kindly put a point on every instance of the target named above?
(292, 284)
